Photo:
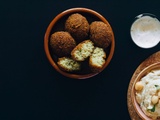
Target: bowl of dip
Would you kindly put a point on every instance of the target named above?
(145, 30)
(145, 93)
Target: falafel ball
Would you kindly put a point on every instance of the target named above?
(62, 43)
(100, 34)
(78, 26)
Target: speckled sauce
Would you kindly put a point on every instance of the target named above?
(145, 31)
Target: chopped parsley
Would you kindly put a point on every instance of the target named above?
(153, 109)
(157, 87)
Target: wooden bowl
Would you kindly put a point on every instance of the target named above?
(144, 72)
(58, 23)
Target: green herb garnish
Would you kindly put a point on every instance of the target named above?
(153, 109)
(157, 87)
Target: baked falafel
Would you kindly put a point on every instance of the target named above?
(62, 43)
(78, 26)
(100, 34)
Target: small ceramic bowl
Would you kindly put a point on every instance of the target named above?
(57, 24)
(145, 30)
(136, 106)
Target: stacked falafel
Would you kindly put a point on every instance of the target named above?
(81, 41)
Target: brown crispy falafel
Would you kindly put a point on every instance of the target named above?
(78, 26)
(62, 43)
(100, 34)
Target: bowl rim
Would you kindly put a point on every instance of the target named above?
(47, 34)
(143, 72)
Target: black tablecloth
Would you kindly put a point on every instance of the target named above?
(30, 88)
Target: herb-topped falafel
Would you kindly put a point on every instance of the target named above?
(62, 43)
(78, 26)
(100, 34)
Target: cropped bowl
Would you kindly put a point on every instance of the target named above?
(142, 73)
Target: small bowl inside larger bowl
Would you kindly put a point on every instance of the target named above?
(57, 24)
(143, 73)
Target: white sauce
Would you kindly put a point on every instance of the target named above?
(143, 97)
(145, 31)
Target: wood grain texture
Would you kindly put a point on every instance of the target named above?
(150, 60)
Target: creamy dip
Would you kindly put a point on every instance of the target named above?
(151, 87)
(145, 31)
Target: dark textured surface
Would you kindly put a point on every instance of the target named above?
(31, 89)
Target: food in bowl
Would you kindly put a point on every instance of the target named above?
(78, 26)
(145, 30)
(100, 34)
(58, 24)
(147, 91)
(62, 43)
(83, 50)
(97, 59)
(68, 64)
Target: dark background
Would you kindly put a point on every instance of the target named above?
(31, 89)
